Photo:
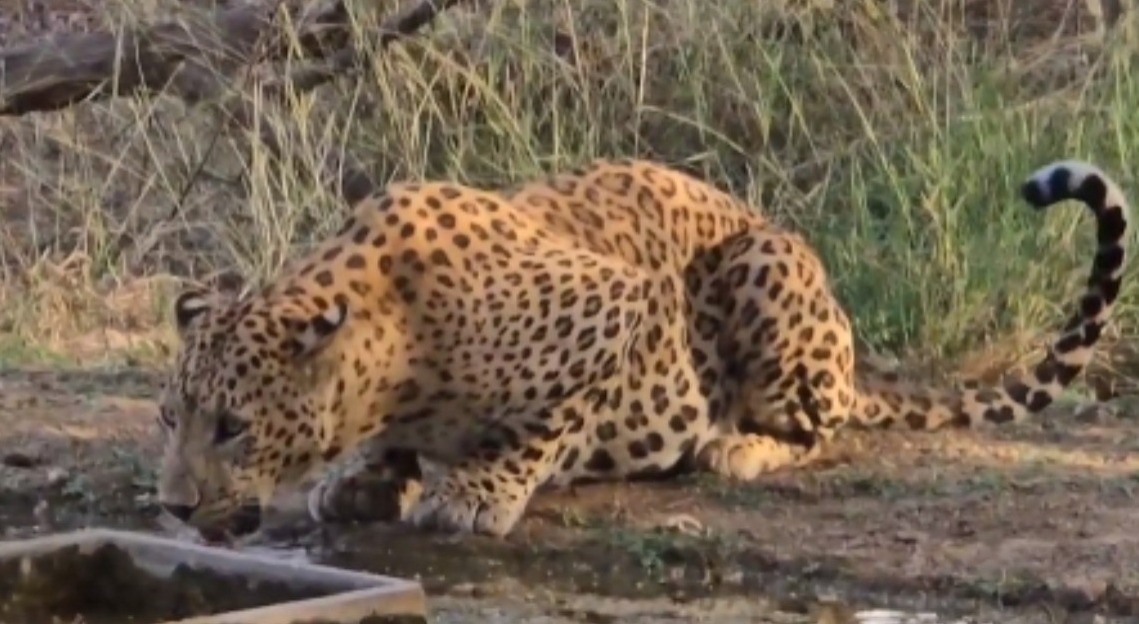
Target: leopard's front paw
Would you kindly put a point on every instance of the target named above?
(363, 496)
(449, 507)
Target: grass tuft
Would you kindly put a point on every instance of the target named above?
(896, 140)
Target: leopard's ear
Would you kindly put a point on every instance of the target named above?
(190, 305)
(310, 335)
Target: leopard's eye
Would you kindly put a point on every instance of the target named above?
(166, 419)
(229, 426)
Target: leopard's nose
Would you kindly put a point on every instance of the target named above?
(181, 512)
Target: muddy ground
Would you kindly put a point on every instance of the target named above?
(1032, 523)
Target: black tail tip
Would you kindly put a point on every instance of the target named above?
(1069, 179)
(1034, 194)
(1047, 186)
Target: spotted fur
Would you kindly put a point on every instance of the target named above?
(617, 321)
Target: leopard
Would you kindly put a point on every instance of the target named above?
(460, 348)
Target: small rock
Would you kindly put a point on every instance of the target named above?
(909, 537)
(42, 511)
(889, 616)
(684, 524)
(733, 577)
(462, 589)
(58, 476)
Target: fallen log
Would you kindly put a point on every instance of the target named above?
(197, 58)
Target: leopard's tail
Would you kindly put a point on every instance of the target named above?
(883, 400)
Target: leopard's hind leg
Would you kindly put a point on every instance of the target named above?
(785, 351)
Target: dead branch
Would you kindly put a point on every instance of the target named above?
(196, 59)
(64, 69)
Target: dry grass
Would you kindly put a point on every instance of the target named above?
(896, 140)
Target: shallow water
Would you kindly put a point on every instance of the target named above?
(107, 584)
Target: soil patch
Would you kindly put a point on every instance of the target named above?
(1014, 522)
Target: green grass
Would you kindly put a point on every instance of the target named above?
(897, 147)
